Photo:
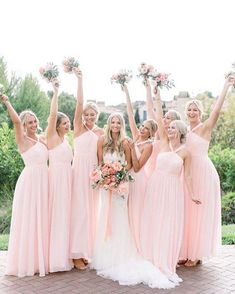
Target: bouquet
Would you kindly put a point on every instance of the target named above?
(69, 64)
(111, 176)
(2, 90)
(145, 71)
(162, 80)
(50, 72)
(122, 77)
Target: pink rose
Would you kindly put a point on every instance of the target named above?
(117, 166)
(123, 189)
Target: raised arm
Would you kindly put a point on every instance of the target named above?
(159, 116)
(19, 131)
(51, 129)
(149, 101)
(79, 106)
(211, 121)
(139, 163)
(134, 129)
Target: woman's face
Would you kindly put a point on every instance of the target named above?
(115, 125)
(90, 116)
(167, 119)
(193, 113)
(172, 131)
(64, 126)
(31, 124)
(145, 130)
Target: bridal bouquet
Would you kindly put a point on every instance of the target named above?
(122, 77)
(145, 71)
(111, 176)
(162, 80)
(50, 72)
(2, 90)
(69, 64)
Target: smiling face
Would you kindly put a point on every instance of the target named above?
(115, 125)
(145, 130)
(193, 113)
(90, 117)
(64, 126)
(31, 124)
(172, 131)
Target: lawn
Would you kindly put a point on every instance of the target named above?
(228, 237)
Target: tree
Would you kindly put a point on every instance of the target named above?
(137, 116)
(67, 105)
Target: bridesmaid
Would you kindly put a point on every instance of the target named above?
(84, 198)
(169, 116)
(28, 242)
(141, 150)
(60, 186)
(162, 221)
(202, 236)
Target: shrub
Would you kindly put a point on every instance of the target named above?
(224, 161)
(228, 208)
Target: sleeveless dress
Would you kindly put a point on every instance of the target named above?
(28, 242)
(84, 199)
(202, 234)
(163, 211)
(136, 201)
(116, 257)
(60, 186)
(150, 165)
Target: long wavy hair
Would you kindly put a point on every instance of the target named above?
(108, 140)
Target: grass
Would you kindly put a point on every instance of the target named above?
(228, 237)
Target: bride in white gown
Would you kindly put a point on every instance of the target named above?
(115, 255)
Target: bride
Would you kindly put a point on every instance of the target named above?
(115, 255)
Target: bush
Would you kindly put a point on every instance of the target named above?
(224, 161)
(228, 235)
(228, 209)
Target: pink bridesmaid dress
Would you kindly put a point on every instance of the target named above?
(163, 212)
(60, 190)
(84, 198)
(202, 230)
(28, 243)
(150, 165)
(136, 201)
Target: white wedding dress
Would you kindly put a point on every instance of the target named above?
(115, 257)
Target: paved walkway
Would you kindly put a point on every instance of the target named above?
(214, 276)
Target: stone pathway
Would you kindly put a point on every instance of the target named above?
(214, 276)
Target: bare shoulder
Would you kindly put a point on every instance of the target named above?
(99, 131)
(125, 143)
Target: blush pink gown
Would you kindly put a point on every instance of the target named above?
(60, 189)
(28, 243)
(163, 212)
(136, 201)
(84, 199)
(151, 163)
(202, 230)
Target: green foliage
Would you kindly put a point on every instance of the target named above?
(228, 208)
(67, 105)
(102, 121)
(137, 116)
(224, 161)
(228, 235)
(4, 242)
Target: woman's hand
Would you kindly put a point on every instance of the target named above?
(195, 200)
(4, 99)
(55, 84)
(78, 73)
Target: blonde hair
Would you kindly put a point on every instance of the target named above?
(197, 103)
(108, 140)
(60, 116)
(182, 129)
(25, 114)
(175, 115)
(153, 127)
(91, 105)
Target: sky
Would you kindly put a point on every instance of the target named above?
(191, 39)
